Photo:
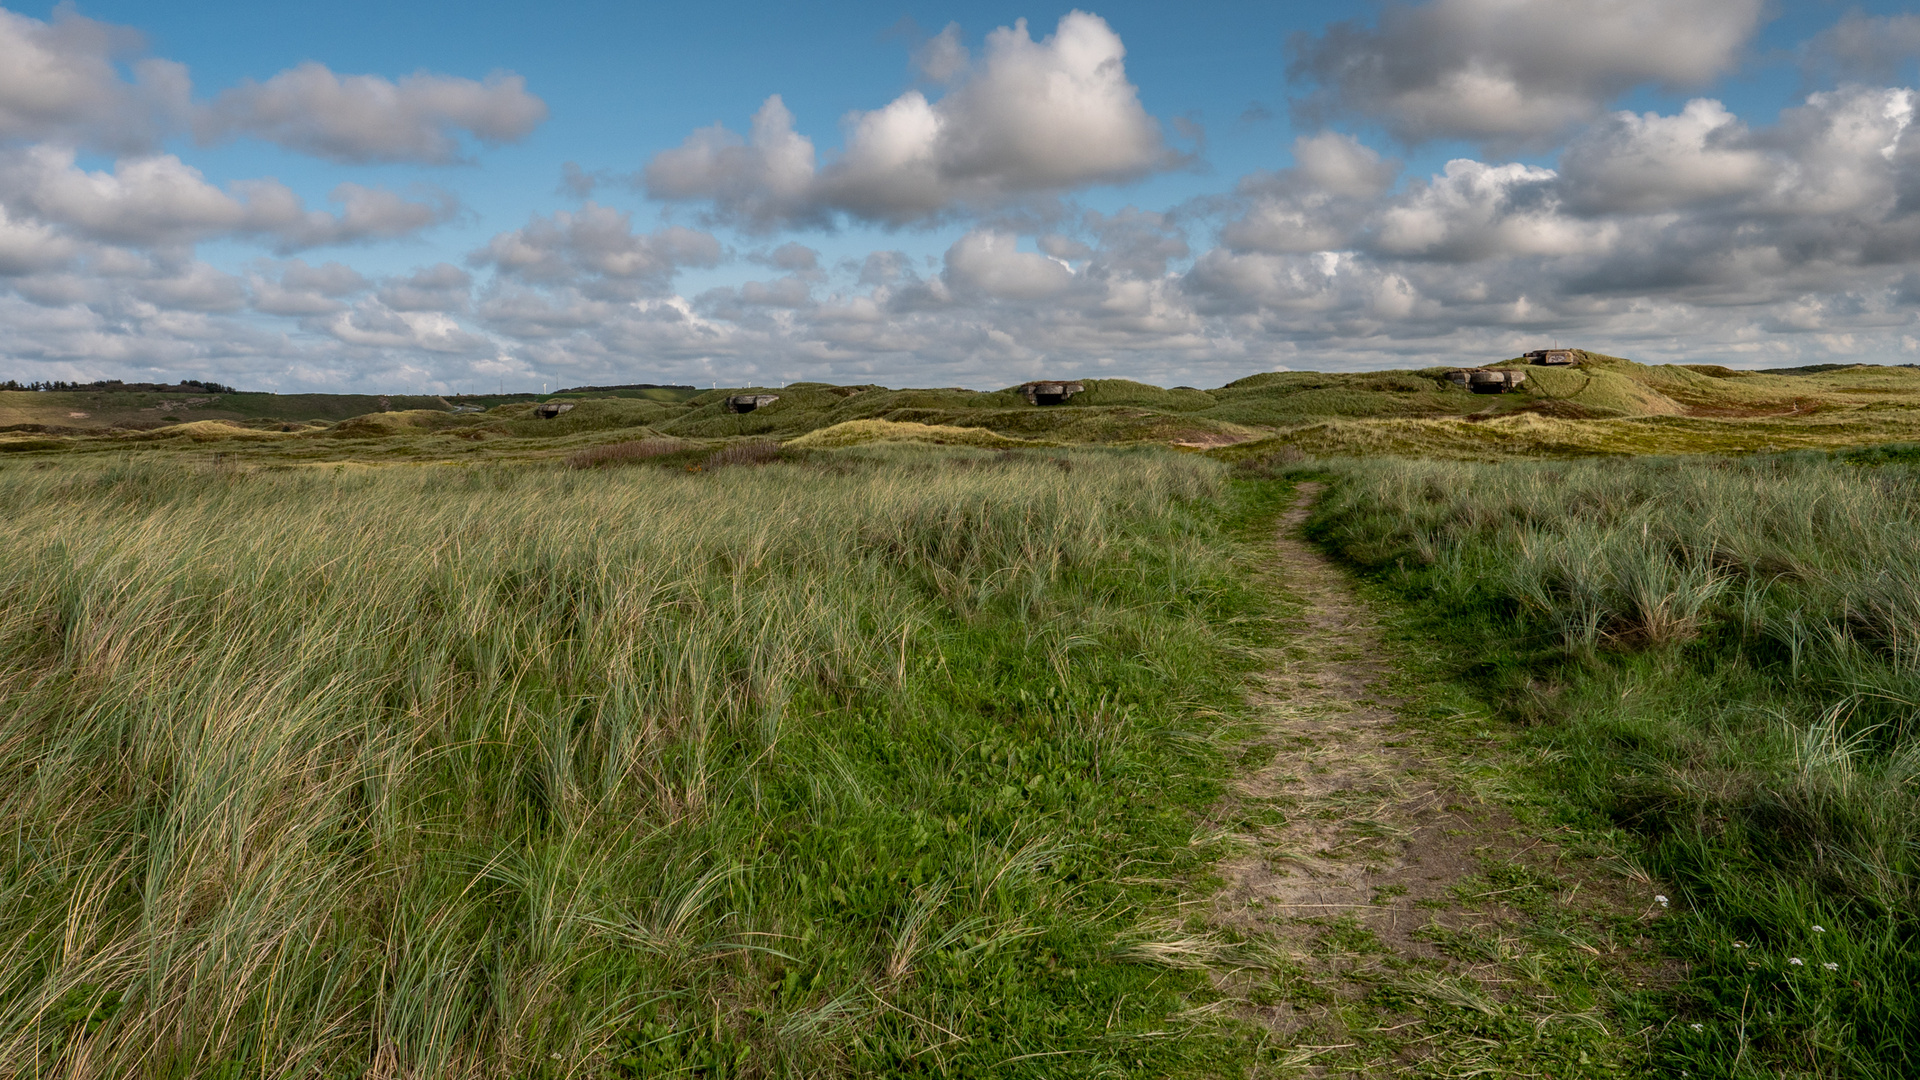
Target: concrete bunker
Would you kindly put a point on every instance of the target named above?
(1050, 393)
(550, 409)
(746, 403)
(1487, 380)
(1551, 357)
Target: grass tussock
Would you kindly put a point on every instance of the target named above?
(1722, 656)
(782, 771)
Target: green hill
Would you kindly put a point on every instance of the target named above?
(1600, 405)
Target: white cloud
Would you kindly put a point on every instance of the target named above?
(1028, 117)
(61, 80)
(367, 118)
(327, 279)
(989, 263)
(440, 287)
(596, 241)
(943, 58)
(1506, 70)
(30, 246)
(193, 287)
(785, 292)
(371, 324)
(1684, 235)
(1317, 204)
(1862, 46)
(1645, 163)
(161, 200)
(1476, 211)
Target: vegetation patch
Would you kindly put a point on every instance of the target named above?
(879, 765)
(1718, 656)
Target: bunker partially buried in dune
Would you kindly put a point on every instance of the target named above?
(1487, 380)
(1050, 393)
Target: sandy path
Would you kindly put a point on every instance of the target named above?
(1367, 854)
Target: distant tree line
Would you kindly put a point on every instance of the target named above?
(184, 386)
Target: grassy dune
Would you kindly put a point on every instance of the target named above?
(1722, 656)
(1603, 405)
(869, 769)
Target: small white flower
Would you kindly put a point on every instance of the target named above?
(1698, 1027)
(1819, 929)
(1831, 966)
(1794, 960)
(1658, 899)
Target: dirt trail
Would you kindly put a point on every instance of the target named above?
(1370, 863)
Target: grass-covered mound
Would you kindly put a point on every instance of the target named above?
(1600, 405)
(879, 766)
(1720, 656)
(862, 432)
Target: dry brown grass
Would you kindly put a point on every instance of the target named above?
(624, 453)
(751, 452)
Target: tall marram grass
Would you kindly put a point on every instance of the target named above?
(1723, 655)
(434, 772)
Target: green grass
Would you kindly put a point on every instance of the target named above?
(1718, 656)
(875, 765)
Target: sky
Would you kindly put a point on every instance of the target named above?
(445, 198)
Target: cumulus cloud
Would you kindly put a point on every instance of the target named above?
(942, 58)
(1476, 211)
(1028, 117)
(367, 118)
(990, 263)
(160, 200)
(327, 279)
(301, 290)
(372, 324)
(1502, 71)
(441, 287)
(1685, 233)
(1317, 203)
(596, 242)
(193, 287)
(61, 80)
(791, 256)
(1648, 162)
(1861, 47)
(31, 246)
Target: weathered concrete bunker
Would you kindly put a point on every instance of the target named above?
(1487, 380)
(1550, 357)
(549, 410)
(745, 403)
(1050, 393)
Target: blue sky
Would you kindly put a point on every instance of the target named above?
(1147, 190)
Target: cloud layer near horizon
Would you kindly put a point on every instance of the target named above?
(1683, 234)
